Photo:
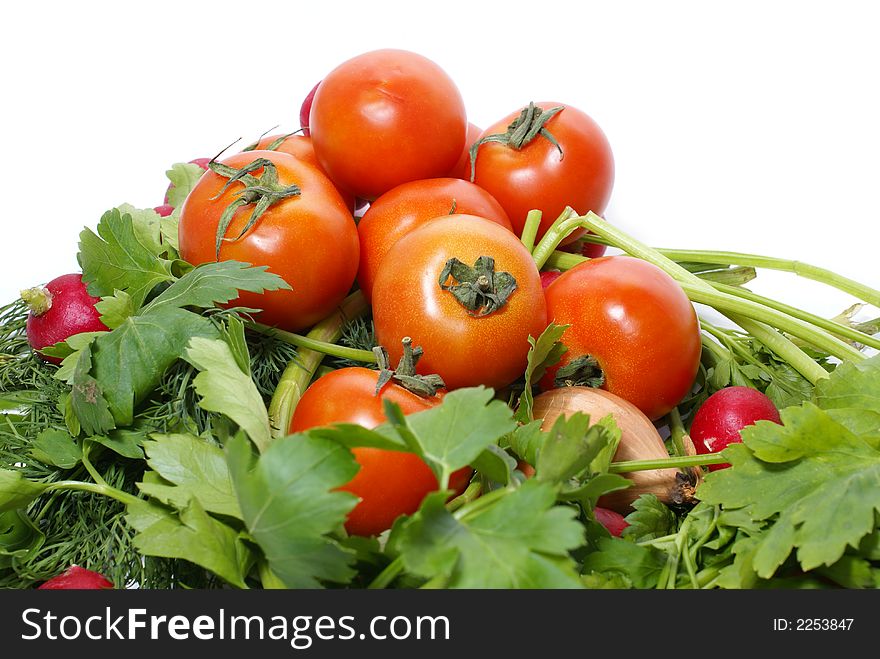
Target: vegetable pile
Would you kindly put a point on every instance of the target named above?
(388, 350)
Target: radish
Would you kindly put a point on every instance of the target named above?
(548, 277)
(305, 109)
(201, 162)
(719, 420)
(77, 578)
(614, 522)
(164, 210)
(58, 310)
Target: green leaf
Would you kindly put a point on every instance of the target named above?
(650, 519)
(183, 177)
(224, 388)
(853, 391)
(452, 434)
(545, 352)
(116, 259)
(16, 491)
(57, 448)
(521, 541)
(19, 538)
(147, 226)
(495, 463)
(196, 470)
(216, 283)
(193, 535)
(64, 349)
(352, 435)
(115, 309)
(571, 446)
(126, 442)
(290, 503)
(814, 473)
(168, 229)
(526, 441)
(640, 564)
(130, 360)
(87, 396)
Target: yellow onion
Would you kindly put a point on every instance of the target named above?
(639, 440)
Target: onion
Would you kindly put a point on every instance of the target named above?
(639, 440)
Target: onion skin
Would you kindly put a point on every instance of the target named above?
(639, 440)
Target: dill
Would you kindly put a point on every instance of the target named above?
(358, 333)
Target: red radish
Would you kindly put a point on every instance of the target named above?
(201, 162)
(77, 578)
(548, 277)
(719, 420)
(164, 210)
(305, 109)
(58, 310)
(614, 522)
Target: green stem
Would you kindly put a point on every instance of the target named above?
(676, 432)
(530, 230)
(86, 449)
(472, 508)
(105, 490)
(472, 493)
(563, 225)
(299, 371)
(310, 342)
(827, 324)
(854, 288)
(677, 462)
(386, 576)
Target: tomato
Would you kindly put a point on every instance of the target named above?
(389, 483)
(462, 168)
(310, 240)
(384, 118)
(636, 322)
(402, 209)
(463, 348)
(537, 176)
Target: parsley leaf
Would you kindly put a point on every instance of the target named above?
(225, 388)
(544, 352)
(116, 259)
(183, 177)
(814, 473)
(521, 541)
(290, 503)
(190, 468)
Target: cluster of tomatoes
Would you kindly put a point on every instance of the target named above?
(437, 252)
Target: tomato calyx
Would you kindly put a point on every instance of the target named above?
(479, 289)
(38, 299)
(405, 375)
(583, 371)
(262, 192)
(521, 131)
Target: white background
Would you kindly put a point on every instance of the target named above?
(748, 126)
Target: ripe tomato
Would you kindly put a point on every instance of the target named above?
(537, 176)
(402, 209)
(636, 321)
(384, 118)
(301, 148)
(462, 169)
(310, 240)
(389, 483)
(462, 348)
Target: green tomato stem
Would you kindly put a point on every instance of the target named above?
(300, 371)
(530, 229)
(386, 576)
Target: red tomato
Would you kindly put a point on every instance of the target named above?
(408, 206)
(384, 118)
(462, 169)
(636, 321)
(301, 148)
(389, 483)
(464, 349)
(538, 177)
(310, 240)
